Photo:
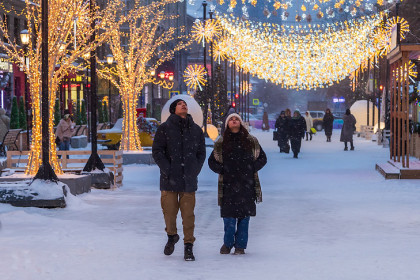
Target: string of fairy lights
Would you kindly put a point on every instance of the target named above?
(69, 40)
(131, 70)
(306, 10)
(300, 56)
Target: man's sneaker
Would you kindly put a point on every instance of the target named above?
(239, 251)
(170, 245)
(188, 252)
(225, 250)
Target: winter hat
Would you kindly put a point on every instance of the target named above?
(297, 111)
(173, 105)
(233, 115)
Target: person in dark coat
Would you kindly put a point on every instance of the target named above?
(282, 127)
(179, 151)
(349, 126)
(297, 132)
(237, 157)
(328, 121)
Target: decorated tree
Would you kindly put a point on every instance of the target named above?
(83, 113)
(57, 113)
(100, 112)
(22, 114)
(69, 39)
(220, 101)
(78, 113)
(133, 48)
(105, 112)
(14, 115)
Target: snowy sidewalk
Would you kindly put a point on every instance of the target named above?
(327, 215)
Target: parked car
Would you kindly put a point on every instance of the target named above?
(318, 117)
(147, 129)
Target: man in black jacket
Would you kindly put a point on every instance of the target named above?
(179, 151)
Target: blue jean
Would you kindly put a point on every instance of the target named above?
(64, 145)
(236, 232)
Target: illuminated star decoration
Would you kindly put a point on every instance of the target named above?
(195, 76)
(206, 32)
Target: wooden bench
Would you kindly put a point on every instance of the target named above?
(113, 160)
(9, 141)
(80, 130)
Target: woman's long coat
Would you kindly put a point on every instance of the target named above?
(239, 186)
(328, 121)
(349, 122)
(282, 126)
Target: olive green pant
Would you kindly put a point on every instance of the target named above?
(171, 202)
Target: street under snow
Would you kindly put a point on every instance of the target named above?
(326, 215)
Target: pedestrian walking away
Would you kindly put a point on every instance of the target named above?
(179, 151)
(309, 124)
(237, 157)
(282, 127)
(349, 126)
(297, 132)
(328, 121)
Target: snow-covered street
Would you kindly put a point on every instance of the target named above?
(326, 215)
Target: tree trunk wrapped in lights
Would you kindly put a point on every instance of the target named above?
(133, 60)
(69, 41)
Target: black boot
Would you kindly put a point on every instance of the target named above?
(295, 155)
(170, 245)
(188, 252)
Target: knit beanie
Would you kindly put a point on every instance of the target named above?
(173, 105)
(233, 115)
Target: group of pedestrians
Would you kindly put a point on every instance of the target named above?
(179, 151)
(290, 128)
(295, 128)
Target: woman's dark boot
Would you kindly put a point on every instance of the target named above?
(170, 245)
(188, 252)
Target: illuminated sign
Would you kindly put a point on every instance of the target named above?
(339, 100)
(5, 65)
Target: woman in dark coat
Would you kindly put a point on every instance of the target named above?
(328, 124)
(297, 132)
(349, 126)
(282, 127)
(237, 157)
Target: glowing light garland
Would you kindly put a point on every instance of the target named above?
(307, 57)
(195, 76)
(64, 16)
(321, 8)
(131, 71)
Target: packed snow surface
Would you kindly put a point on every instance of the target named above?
(326, 215)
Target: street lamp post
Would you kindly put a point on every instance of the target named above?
(152, 109)
(94, 161)
(24, 38)
(109, 60)
(206, 72)
(45, 171)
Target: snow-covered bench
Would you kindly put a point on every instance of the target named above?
(113, 160)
